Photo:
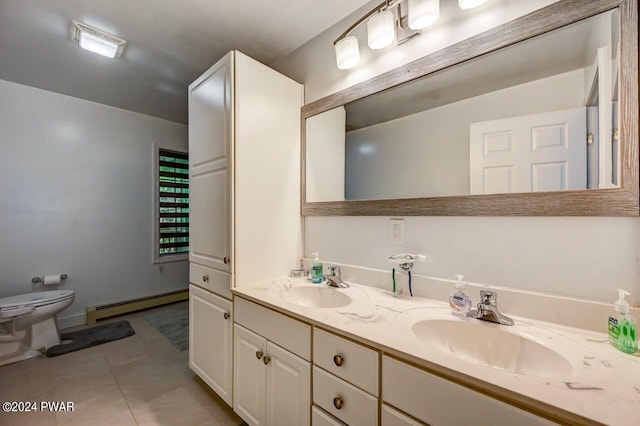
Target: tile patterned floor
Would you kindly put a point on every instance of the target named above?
(138, 380)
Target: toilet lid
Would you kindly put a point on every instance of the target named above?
(36, 299)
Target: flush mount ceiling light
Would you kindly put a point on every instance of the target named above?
(97, 41)
(470, 4)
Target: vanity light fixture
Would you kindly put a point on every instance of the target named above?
(388, 21)
(470, 4)
(399, 20)
(97, 41)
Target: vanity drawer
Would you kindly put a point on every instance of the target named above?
(350, 361)
(289, 333)
(356, 406)
(218, 282)
(391, 417)
(437, 401)
(320, 418)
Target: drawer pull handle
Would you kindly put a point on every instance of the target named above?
(266, 359)
(259, 354)
(338, 360)
(226, 260)
(338, 402)
(205, 278)
(226, 315)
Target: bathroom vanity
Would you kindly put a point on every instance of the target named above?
(373, 357)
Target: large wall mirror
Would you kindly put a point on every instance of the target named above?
(536, 117)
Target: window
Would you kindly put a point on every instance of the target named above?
(173, 204)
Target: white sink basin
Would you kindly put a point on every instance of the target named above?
(318, 296)
(492, 345)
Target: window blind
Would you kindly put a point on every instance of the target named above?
(173, 184)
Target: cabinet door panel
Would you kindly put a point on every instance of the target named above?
(249, 376)
(210, 340)
(288, 388)
(210, 114)
(211, 166)
(209, 219)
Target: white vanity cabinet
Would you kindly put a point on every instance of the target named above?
(272, 380)
(244, 162)
(435, 400)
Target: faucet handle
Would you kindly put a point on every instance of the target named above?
(334, 270)
(488, 297)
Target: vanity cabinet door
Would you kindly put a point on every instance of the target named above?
(210, 328)
(250, 376)
(272, 386)
(288, 388)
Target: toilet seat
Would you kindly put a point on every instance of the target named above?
(25, 303)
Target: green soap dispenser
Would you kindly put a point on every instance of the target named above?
(316, 270)
(623, 331)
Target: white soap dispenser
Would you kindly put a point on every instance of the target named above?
(460, 302)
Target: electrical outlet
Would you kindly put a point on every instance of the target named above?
(396, 231)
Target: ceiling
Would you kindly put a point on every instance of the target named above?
(170, 43)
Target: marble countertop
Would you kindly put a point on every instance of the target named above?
(602, 385)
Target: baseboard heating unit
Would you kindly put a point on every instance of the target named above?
(95, 313)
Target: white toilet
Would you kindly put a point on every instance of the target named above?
(27, 323)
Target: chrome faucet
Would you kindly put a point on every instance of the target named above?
(334, 279)
(488, 309)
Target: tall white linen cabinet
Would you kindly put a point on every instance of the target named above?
(245, 225)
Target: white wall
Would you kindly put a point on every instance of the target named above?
(76, 189)
(427, 154)
(580, 257)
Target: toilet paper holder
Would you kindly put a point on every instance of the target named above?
(36, 280)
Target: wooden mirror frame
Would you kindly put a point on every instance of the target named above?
(621, 201)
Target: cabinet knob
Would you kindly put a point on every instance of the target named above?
(338, 360)
(226, 260)
(205, 278)
(259, 354)
(338, 402)
(266, 359)
(226, 315)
